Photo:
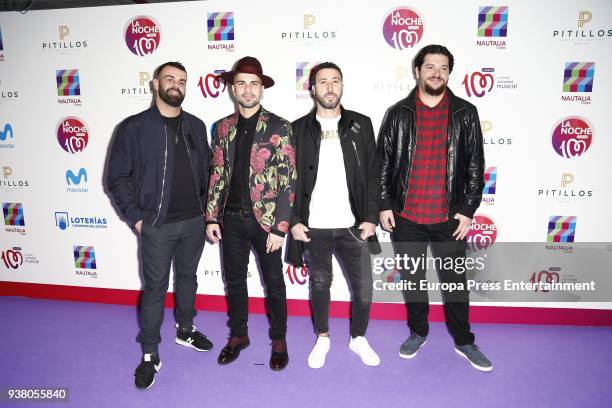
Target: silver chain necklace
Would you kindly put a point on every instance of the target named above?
(176, 135)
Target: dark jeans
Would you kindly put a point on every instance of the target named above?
(354, 257)
(240, 232)
(183, 241)
(413, 239)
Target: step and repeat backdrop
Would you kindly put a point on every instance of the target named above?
(539, 73)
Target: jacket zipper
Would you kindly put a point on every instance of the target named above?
(355, 147)
(192, 171)
(161, 200)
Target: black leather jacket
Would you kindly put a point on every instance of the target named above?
(360, 166)
(465, 155)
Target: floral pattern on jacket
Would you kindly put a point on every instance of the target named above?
(272, 174)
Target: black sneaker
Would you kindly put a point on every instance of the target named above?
(145, 373)
(192, 338)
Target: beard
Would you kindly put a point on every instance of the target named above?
(174, 100)
(329, 104)
(248, 104)
(435, 91)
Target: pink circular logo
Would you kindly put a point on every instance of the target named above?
(482, 233)
(572, 137)
(142, 35)
(403, 28)
(72, 134)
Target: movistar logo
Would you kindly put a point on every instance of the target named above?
(71, 178)
(7, 132)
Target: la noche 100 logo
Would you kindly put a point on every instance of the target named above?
(572, 137)
(142, 35)
(403, 28)
(72, 134)
(482, 233)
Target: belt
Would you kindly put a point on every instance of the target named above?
(239, 213)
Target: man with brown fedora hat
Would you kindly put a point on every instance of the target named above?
(250, 195)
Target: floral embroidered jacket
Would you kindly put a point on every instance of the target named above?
(272, 174)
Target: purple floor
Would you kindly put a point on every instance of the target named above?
(91, 349)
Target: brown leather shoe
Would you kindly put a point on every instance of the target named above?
(232, 350)
(279, 357)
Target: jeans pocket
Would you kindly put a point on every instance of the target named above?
(356, 233)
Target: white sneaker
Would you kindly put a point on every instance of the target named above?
(316, 358)
(360, 346)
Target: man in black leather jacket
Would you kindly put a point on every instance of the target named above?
(432, 176)
(336, 207)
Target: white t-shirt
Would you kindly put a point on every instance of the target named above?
(329, 205)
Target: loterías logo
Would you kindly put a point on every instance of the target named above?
(572, 137)
(482, 233)
(142, 35)
(12, 258)
(72, 134)
(479, 83)
(403, 28)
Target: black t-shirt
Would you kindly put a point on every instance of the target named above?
(184, 203)
(239, 196)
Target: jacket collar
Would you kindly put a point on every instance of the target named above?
(158, 114)
(264, 115)
(315, 127)
(160, 119)
(455, 104)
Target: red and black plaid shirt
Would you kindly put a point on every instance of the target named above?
(426, 198)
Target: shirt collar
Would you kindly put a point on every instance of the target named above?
(251, 120)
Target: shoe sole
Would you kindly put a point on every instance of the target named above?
(157, 368)
(242, 347)
(413, 355)
(479, 368)
(187, 344)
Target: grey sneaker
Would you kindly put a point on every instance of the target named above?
(475, 357)
(412, 345)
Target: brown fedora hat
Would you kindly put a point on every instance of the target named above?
(247, 65)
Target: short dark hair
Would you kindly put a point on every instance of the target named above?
(174, 64)
(318, 67)
(434, 49)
